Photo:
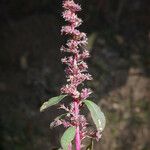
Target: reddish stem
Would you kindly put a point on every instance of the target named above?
(77, 138)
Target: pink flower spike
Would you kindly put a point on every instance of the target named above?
(76, 72)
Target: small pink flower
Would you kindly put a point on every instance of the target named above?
(69, 16)
(83, 66)
(69, 4)
(71, 90)
(76, 32)
(67, 30)
(77, 23)
(85, 54)
(62, 106)
(55, 123)
(98, 135)
(72, 44)
(64, 49)
(64, 60)
(85, 93)
(88, 76)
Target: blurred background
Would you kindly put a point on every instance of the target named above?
(31, 71)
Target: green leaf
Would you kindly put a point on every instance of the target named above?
(97, 115)
(90, 146)
(91, 40)
(51, 102)
(67, 137)
(60, 116)
(52, 124)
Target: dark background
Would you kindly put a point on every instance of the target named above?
(31, 72)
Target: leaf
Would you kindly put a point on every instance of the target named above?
(67, 137)
(90, 146)
(91, 40)
(60, 116)
(51, 102)
(56, 120)
(97, 115)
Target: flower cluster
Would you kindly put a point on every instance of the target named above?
(76, 71)
(76, 74)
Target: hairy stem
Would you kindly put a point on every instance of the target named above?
(77, 138)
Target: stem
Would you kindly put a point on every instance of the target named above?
(77, 138)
